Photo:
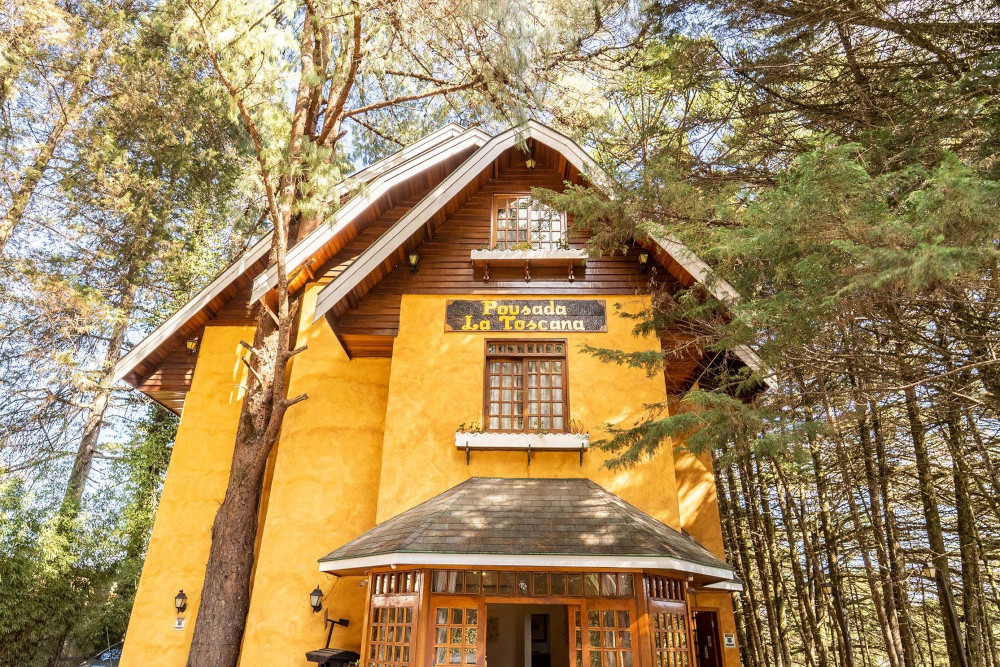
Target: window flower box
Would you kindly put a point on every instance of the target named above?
(568, 258)
(489, 440)
(560, 257)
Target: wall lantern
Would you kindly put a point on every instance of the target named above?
(181, 602)
(530, 162)
(644, 261)
(192, 346)
(316, 599)
(414, 259)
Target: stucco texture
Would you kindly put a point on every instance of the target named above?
(323, 492)
(194, 487)
(436, 384)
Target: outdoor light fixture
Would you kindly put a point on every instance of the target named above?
(181, 602)
(414, 258)
(192, 346)
(644, 261)
(530, 162)
(316, 599)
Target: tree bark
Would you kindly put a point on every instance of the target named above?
(225, 594)
(87, 449)
(932, 516)
(69, 114)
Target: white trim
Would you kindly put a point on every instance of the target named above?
(169, 327)
(571, 256)
(732, 585)
(410, 164)
(564, 442)
(527, 560)
(406, 226)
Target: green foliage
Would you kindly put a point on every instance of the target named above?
(67, 583)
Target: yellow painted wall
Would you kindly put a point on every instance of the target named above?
(194, 487)
(437, 384)
(375, 438)
(323, 494)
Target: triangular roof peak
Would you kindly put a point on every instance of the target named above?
(463, 153)
(451, 142)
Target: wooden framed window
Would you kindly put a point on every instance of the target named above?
(392, 619)
(525, 386)
(670, 639)
(519, 220)
(606, 630)
(458, 637)
(669, 627)
(533, 584)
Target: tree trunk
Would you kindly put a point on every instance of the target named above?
(813, 640)
(225, 594)
(750, 588)
(859, 529)
(69, 114)
(833, 558)
(935, 536)
(87, 449)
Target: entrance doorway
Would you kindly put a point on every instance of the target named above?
(706, 634)
(527, 635)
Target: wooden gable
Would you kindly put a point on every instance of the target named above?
(367, 320)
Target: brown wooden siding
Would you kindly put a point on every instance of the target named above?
(445, 267)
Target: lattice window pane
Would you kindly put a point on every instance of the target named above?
(390, 637)
(609, 638)
(525, 386)
(520, 220)
(456, 635)
(670, 640)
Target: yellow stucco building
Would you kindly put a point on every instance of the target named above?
(438, 492)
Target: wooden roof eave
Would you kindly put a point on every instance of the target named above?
(684, 264)
(163, 336)
(379, 186)
(411, 223)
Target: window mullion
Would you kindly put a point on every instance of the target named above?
(524, 393)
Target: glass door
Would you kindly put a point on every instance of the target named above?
(603, 632)
(457, 635)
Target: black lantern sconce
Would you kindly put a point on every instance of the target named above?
(414, 260)
(192, 346)
(316, 599)
(530, 162)
(644, 261)
(180, 602)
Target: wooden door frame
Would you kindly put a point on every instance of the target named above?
(630, 604)
(451, 600)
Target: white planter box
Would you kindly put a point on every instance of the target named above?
(536, 257)
(558, 442)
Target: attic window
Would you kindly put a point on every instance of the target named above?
(521, 222)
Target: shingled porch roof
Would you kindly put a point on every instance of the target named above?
(570, 523)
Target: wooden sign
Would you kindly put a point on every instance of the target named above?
(525, 315)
